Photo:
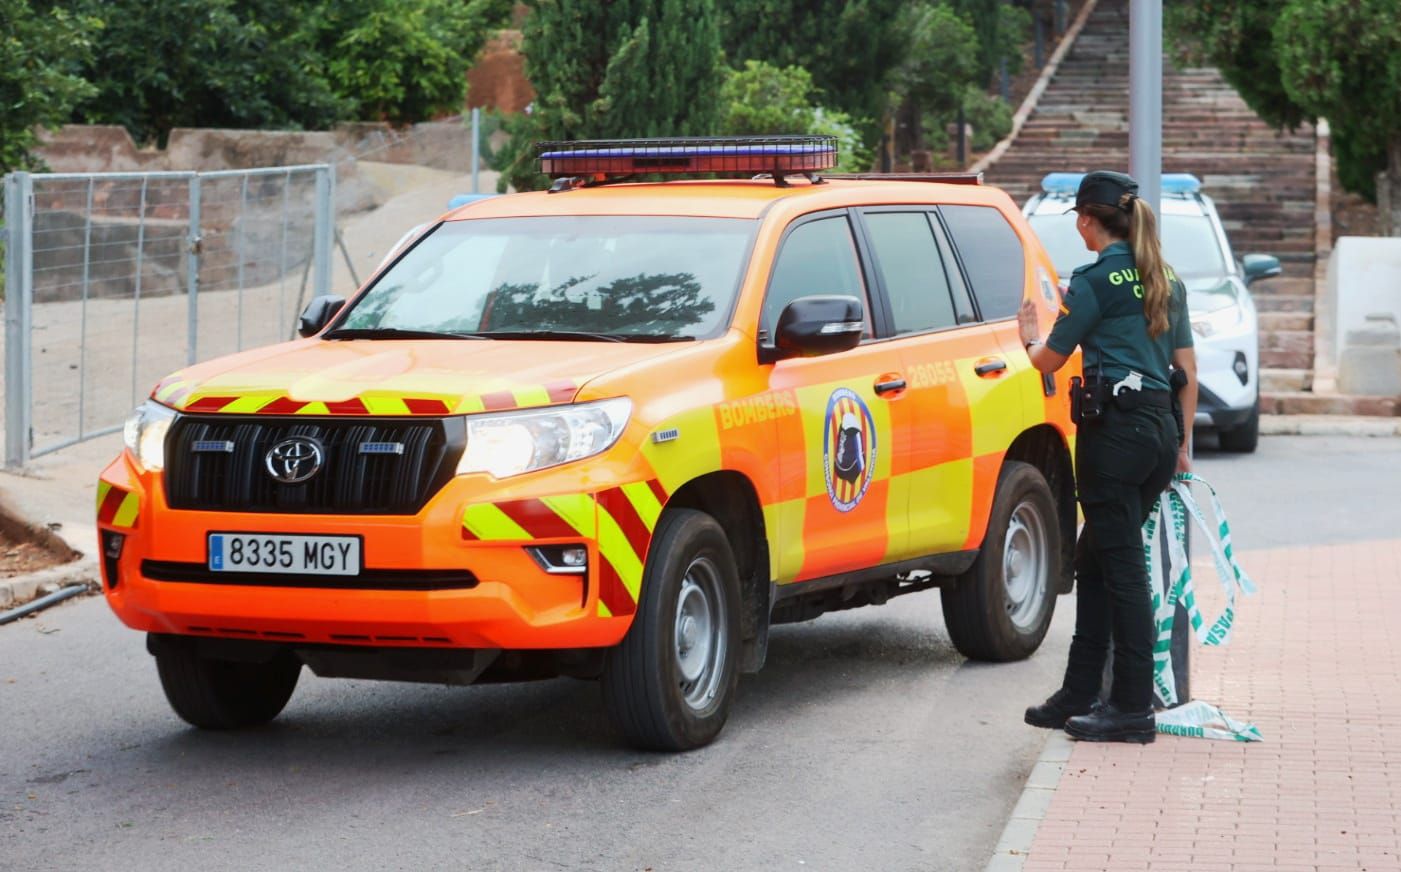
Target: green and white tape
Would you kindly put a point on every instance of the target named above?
(1177, 506)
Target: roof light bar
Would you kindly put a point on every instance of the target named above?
(1181, 183)
(684, 155)
(1061, 183)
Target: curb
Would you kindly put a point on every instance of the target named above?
(21, 589)
(1014, 846)
(1328, 425)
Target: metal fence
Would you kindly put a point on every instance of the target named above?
(114, 279)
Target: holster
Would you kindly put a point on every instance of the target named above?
(1086, 400)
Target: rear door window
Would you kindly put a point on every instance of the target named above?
(817, 258)
(992, 257)
(911, 270)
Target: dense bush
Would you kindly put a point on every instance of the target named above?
(39, 47)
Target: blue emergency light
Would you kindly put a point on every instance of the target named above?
(1069, 183)
(602, 158)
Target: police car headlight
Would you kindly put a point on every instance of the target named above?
(515, 442)
(144, 434)
(1208, 324)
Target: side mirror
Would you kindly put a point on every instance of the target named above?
(318, 313)
(1259, 266)
(819, 325)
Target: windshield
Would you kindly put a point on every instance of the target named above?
(1189, 244)
(609, 276)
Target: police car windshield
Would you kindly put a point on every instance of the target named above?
(1189, 244)
(649, 278)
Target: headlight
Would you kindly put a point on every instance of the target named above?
(516, 442)
(1207, 324)
(144, 434)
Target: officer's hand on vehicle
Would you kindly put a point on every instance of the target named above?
(1026, 322)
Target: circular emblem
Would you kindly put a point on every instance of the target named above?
(848, 449)
(294, 460)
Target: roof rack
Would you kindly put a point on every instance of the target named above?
(943, 178)
(598, 161)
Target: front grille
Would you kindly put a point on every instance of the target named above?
(351, 481)
(367, 579)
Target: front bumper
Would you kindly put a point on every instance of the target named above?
(431, 579)
(1228, 377)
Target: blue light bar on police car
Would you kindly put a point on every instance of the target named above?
(1061, 183)
(723, 154)
(1181, 183)
(1069, 183)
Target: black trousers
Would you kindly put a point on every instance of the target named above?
(1123, 462)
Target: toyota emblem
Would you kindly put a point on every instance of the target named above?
(294, 460)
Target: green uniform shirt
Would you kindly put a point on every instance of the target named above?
(1103, 313)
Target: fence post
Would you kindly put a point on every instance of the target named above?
(192, 272)
(477, 147)
(323, 237)
(19, 302)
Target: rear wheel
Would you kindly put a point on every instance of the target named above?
(669, 684)
(1001, 608)
(223, 694)
(1244, 438)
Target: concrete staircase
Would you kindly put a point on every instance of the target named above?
(1263, 183)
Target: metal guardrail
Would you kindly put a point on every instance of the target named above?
(101, 269)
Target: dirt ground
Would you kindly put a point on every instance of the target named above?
(19, 557)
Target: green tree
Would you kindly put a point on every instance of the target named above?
(939, 65)
(849, 46)
(1298, 60)
(1001, 30)
(42, 47)
(627, 68)
(762, 99)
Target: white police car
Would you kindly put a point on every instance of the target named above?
(1223, 313)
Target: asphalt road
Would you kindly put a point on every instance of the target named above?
(866, 742)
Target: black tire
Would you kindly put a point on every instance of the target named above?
(984, 619)
(646, 689)
(221, 694)
(1244, 438)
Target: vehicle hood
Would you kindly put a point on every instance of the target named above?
(396, 377)
(1211, 293)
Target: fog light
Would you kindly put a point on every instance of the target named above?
(1241, 368)
(111, 553)
(561, 559)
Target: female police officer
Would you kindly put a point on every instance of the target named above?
(1128, 312)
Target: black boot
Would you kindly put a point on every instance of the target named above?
(1109, 724)
(1053, 713)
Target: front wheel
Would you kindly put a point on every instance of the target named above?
(1244, 438)
(1000, 609)
(222, 694)
(669, 684)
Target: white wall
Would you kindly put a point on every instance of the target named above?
(1364, 276)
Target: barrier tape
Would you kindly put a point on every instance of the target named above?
(1179, 507)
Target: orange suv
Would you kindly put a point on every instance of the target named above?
(614, 431)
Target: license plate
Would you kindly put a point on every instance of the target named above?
(291, 555)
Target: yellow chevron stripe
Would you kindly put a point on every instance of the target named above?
(535, 395)
(489, 523)
(385, 405)
(618, 551)
(469, 405)
(127, 511)
(577, 510)
(249, 404)
(102, 489)
(644, 502)
(165, 393)
(317, 408)
(603, 611)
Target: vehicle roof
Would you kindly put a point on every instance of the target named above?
(726, 198)
(1172, 204)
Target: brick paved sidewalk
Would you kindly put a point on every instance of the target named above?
(1315, 663)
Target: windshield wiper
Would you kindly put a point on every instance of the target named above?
(394, 333)
(576, 335)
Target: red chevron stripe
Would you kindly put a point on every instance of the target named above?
(498, 401)
(110, 503)
(658, 490)
(538, 519)
(352, 406)
(209, 404)
(561, 391)
(616, 503)
(282, 406)
(426, 407)
(468, 535)
(612, 591)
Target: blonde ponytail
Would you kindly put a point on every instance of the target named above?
(1152, 270)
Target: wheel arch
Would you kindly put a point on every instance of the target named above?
(732, 500)
(1045, 448)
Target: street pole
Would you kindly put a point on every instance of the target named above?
(1146, 98)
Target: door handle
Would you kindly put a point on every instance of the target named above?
(990, 367)
(890, 385)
